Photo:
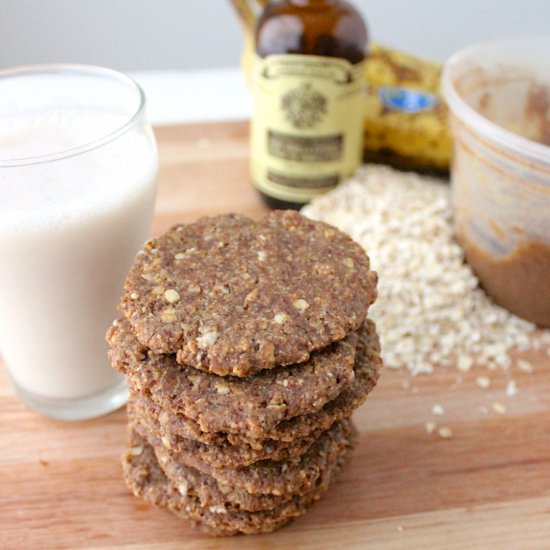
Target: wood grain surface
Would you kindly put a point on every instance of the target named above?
(488, 486)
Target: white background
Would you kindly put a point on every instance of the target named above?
(194, 34)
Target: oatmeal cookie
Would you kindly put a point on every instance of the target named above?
(233, 296)
(268, 483)
(145, 478)
(245, 406)
(367, 370)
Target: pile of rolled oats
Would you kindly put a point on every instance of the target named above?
(430, 310)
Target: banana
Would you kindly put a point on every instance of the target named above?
(405, 116)
(388, 67)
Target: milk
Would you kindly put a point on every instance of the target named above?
(69, 230)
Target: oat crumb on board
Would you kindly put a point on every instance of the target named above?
(511, 388)
(445, 432)
(430, 427)
(525, 366)
(430, 310)
(483, 382)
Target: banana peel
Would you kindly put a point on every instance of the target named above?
(405, 116)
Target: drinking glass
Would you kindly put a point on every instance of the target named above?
(78, 172)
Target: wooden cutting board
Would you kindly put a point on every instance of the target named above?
(488, 486)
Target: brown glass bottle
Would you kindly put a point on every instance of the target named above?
(322, 28)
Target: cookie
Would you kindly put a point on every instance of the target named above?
(201, 456)
(233, 296)
(145, 478)
(266, 484)
(246, 406)
(367, 370)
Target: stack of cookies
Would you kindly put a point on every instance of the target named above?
(246, 348)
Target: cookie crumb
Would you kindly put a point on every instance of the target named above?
(499, 407)
(438, 410)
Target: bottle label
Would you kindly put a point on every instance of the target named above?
(306, 131)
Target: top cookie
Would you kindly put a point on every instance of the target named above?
(233, 296)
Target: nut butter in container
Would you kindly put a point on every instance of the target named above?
(499, 98)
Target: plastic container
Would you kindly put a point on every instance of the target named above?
(499, 97)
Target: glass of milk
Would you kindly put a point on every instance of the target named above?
(78, 172)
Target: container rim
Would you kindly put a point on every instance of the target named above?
(74, 69)
(492, 131)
